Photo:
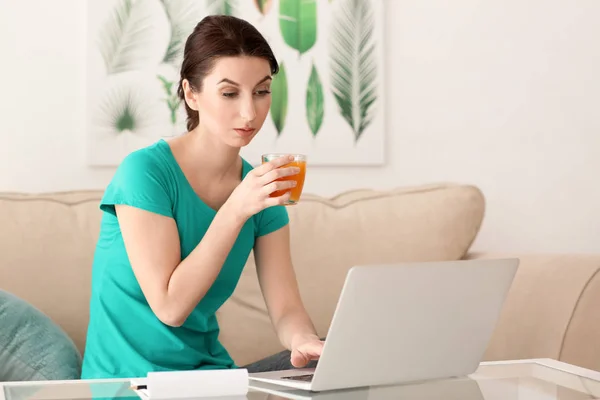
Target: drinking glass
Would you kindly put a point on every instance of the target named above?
(300, 162)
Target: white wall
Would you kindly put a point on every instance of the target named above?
(504, 95)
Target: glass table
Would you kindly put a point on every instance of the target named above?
(538, 379)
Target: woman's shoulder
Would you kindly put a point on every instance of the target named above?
(142, 179)
(146, 158)
(145, 167)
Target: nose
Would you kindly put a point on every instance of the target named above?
(248, 111)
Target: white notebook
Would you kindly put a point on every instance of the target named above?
(223, 384)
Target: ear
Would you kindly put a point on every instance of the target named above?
(190, 96)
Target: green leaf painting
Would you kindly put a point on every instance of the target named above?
(279, 101)
(314, 101)
(125, 35)
(183, 15)
(121, 111)
(353, 63)
(221, 7)
(298, 23)
(173, 101)
(263, 5)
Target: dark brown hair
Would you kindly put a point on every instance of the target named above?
(217, 36)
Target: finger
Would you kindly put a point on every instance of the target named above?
(279, 185)
(271, 165)
(279, 200)
(298, 359)
(313, 349)
(279, 173)
(301, 357)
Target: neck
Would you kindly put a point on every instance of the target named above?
(210, 157)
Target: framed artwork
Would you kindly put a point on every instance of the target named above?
(327, 99)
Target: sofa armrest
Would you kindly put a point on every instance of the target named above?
(551, 310)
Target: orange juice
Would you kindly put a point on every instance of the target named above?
(296, 192)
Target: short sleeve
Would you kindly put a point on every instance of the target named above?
(139, 182)
(271, 219)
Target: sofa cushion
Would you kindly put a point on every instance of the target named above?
(584, 327)
(551, 310)
(46, 249)
(32, 346)
(330, 235)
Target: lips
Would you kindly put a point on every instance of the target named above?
(245, 132)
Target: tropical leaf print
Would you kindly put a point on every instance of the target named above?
(172, 100)
(126, 40)
(221, 7)
(298, 23)
(183, 15)
(314, 101)
(123, 109)
(353, 63)
(279, 101)
(263, 5)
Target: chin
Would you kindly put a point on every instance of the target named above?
(239, 141)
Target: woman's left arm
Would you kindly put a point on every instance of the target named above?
(280, 290)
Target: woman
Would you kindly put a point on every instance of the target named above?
(181, 217)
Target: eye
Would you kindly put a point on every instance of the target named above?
(263, 92)
(229, 94)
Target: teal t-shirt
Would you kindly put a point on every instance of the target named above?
(125, 338)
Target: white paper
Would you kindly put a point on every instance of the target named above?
(224, 384)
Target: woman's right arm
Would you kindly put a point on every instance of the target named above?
(173, 287)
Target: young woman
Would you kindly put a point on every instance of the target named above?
(181, 217)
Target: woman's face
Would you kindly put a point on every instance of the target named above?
(235, 99)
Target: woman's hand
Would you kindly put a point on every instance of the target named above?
(252, 194)
(305, 348)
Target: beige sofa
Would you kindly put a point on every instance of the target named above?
(47, 243)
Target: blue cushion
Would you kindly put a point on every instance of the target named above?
(32, 346)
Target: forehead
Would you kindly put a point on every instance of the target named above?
(241, 69)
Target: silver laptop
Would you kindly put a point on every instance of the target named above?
(447, 389)
(405, 323)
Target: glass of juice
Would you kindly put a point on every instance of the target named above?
(300, 162)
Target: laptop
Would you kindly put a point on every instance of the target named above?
(447, 389)
(406, 323)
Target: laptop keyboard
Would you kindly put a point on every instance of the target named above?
(305, 378)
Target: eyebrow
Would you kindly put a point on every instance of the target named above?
(225, 80)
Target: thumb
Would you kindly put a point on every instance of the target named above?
(298, 359)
